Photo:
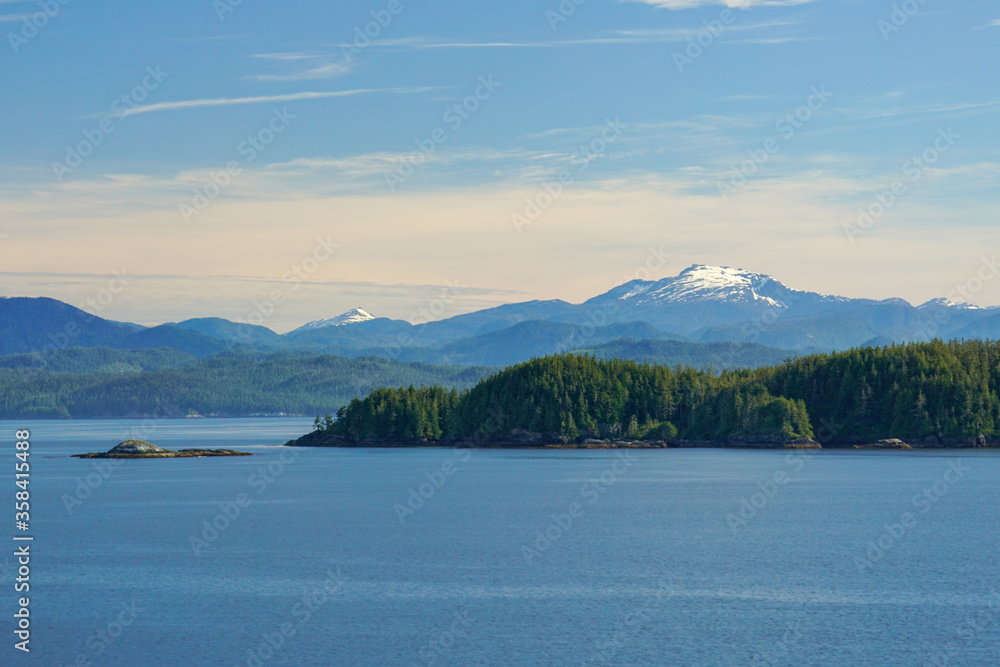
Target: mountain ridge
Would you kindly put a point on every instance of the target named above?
(702, 304)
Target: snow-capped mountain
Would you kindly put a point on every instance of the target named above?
(703, 304)
(353, 316)
(943, 302)
(699, 283)
(705, 296)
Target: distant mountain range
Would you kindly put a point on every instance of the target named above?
(759, 317)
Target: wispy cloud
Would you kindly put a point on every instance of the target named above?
(992, 24)
(658, 36)
(736, 4)
(672, 34)
(259, 279)
(266, 99)
(327, 71)
(369, 165)
(775, 40)
(480, 45)
(321, 68)
(744, 97)
(921, 110)
(209, 38)
(288, 55)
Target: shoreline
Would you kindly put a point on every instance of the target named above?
(828, 448)
(311, 440)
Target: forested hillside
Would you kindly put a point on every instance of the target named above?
(570, 396)
(704, 356)
(97, 360)
(114, 383)
(927, 390)
(943, 392)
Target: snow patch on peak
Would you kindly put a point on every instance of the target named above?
(943, 302)
(722, 276)
(353, 316)
(707, 283)
(634, 288)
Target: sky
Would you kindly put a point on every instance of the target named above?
(162, 161)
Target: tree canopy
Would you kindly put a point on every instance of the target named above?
(925, 390)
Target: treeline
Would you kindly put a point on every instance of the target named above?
(718, 356)
(920, 390)
(571, 397)
(115, 383)
(98, 360)
(929, 391)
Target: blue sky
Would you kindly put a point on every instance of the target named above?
(603, 133)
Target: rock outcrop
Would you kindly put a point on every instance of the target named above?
(140, 449)
(890, 443)
(520, 437)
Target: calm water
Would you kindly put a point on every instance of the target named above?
(647, 560)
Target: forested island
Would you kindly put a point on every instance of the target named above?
(933, 394)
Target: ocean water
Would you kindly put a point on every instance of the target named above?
(442, 557)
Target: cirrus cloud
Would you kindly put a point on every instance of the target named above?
(736, 4)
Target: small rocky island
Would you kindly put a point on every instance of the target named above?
(140, 449)
(889, 443)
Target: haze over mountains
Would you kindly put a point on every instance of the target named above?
(639, 319)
